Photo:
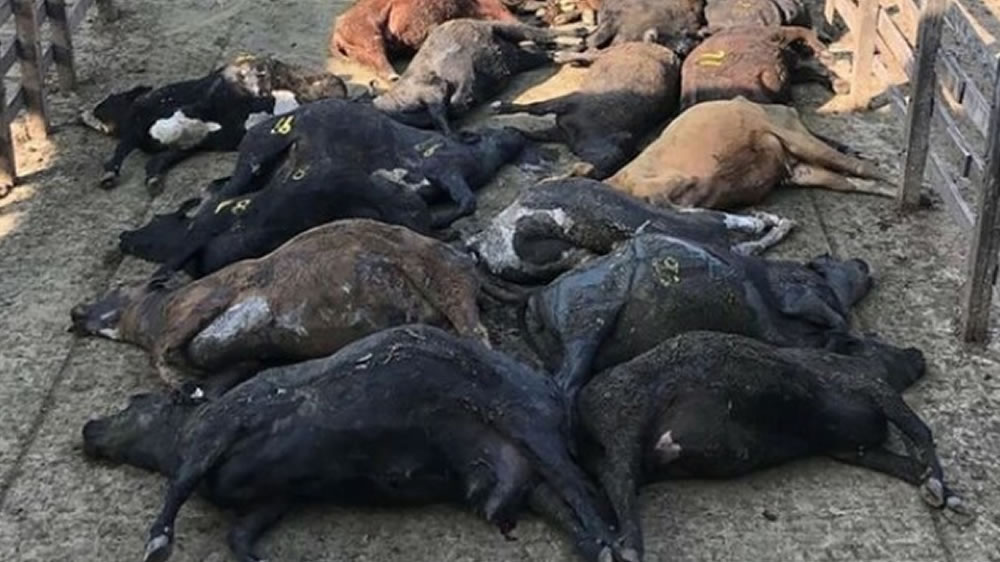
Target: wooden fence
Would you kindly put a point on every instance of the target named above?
(35, 60)
(952, 122)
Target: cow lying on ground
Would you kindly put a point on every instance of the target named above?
(677, 24)
(463, 64)
(327, 160)
(371, 31)
(318, 292)
(713, 405)
(557, 225)
(726, 154)
(629, 89)
(410, 415)
(655, 286)
(723, 14)
(562, 12)
(756, 62)
(209, 113)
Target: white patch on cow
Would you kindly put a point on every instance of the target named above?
(667, 449)
(743, 223)
(246, 80)
(284, 102)
(398, 177)
(110, 333)
(242, 318)
(495, 244)
(197, 394)
(181, 131)
(292, 321)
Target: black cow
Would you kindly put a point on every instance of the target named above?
(654, 286)
(410, 415)
(723, 14)
(558, 224)
(327, 160)
(208, 113)
(677, 24)
(713, 405)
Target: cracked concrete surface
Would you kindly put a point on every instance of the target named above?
(58, 234)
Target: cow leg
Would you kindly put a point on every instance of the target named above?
(112, 168)
(438, 112)
(810, 150)
(460, 192)
(777, 229)
(807, 175)
(618, 473)
(584, 58)
(604, 34)
(250, 526)
(157, 166)
(886, 462)
(205, 452)
(558, 106)
(546, 503)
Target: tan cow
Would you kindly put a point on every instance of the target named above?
(726, 154)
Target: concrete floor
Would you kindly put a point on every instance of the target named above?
(58, 235)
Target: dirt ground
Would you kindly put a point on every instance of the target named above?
(58, 235)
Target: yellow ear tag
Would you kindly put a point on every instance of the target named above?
(299, 174)
(283, 126)
(240, 206)
(668, 270)
(714, 58)
(223, 205)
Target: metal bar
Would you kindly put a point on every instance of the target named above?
(29, 51)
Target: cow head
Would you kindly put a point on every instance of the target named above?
(250, 74)
(902, 366)
(850, 280)
(103, 317)
(110, 115)
(146, 433)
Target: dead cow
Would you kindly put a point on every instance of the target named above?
(557, 225)
(726, 154)
(713, 405)
(318, 292)
(676, 24)
(209, 113)
(655, 286)
(758, 63)
(463, 64)
(410, 415)
(328, 160)
(371, 31)
(628, 90)
(724, 14)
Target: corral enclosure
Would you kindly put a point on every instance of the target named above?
(58, 234)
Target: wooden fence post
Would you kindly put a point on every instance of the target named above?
(8, 166)
(29, 53)
(921, 105)
(62, 44)
(981, 275)
(862, 76)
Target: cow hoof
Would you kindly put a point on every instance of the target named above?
(957, 512)
(933, 492)
(154, 186)
(157, 549)
(109, 180)
(5, 190)
(605, 555)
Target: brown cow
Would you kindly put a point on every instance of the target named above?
(725, 154)
(371, 31)
(756, 62)
(318, 292)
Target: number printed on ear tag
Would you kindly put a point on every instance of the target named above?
(283, 126)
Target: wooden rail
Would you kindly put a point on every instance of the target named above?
(942, 97)
(35, 60)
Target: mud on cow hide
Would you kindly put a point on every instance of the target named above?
(209, 113)
(318, 292)
(558, 225)
(713, 405)
(328, 160)
(654, 286)
(411, 415)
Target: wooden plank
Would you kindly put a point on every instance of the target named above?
(78, 12)
(973, 163)
(971, 98)
(62, 43)
(29, 51)
(906, 17)
(8, 58)
(894, 42)
(977, 294)
(8, 166)
(974, 39)
(5, 11)
(862, 80)
(848, 11)
(918, 111)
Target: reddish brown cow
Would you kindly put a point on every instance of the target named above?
(372, 30)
